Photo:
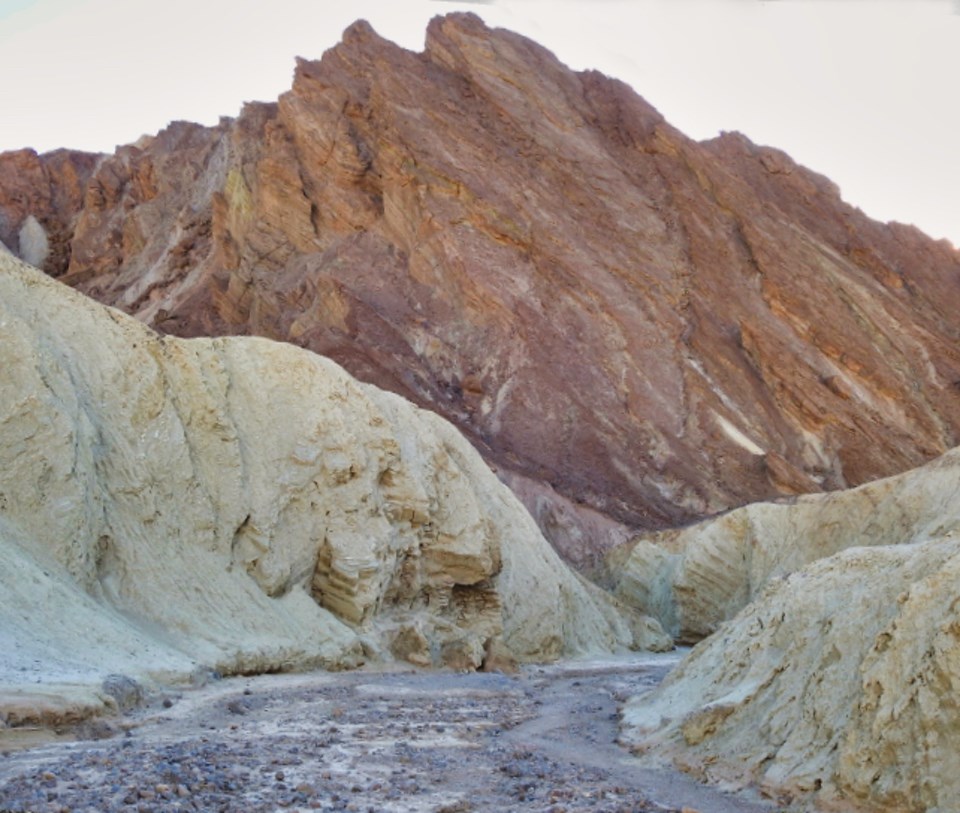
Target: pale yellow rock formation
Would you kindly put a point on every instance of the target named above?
(838, 685)
(695, 578)
(244, 505)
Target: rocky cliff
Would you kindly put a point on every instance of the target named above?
(241, 505)
(636, 329)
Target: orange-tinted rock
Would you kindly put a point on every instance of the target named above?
(641, 328)
(50, 189)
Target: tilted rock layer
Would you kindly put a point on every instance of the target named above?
(693, 579)
(639, 329)
(244, 505)
(839, 683)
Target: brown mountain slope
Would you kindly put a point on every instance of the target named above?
(635, 328)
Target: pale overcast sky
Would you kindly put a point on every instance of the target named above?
(864, 91)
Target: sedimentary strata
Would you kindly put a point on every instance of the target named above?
(645, 329)
(837, 684)
(240, 505)
(693, 579)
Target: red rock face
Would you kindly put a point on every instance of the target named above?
(50, 188)
(637, 329)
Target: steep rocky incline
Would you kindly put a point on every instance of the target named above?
(637, 329)
(242, 505)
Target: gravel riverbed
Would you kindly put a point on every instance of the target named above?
(543, 739)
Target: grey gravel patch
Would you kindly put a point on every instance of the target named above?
(404, 742)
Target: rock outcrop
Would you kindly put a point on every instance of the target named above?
(693, 579)
(41, 198)
(838, 683)
(644, 329)
(241, 505)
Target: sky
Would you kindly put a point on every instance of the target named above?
(863, 91)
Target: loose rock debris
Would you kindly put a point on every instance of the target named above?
(390, 742)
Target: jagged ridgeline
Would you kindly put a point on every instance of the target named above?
(637, 330)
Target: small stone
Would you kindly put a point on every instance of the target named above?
(127, 693)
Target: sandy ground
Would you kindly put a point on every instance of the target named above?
(392, 742)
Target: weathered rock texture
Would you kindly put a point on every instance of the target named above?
(695, 578)
(247, 506)
(637, 325)
(41, 198)
(840, 681)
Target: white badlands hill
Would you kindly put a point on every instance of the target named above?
(839, 683)
(168, 506)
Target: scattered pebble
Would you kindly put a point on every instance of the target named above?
(437, 742)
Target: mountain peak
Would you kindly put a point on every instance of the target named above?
(636, 329)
